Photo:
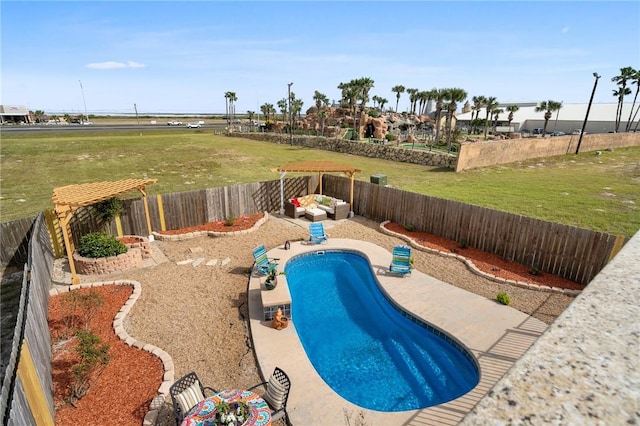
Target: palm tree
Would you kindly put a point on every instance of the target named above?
(296, 106)
(230, 98)
(454, 95)
(635, 79)
(382, 102)
(250, 115)
(548, 107)
(267, 109)
(398, 90)
(512, 110)
(283, 105)
(496, 114)
(439, 95)
(626, 74)
(322, 115)
(320, 99)
(490, 104)
(413, 100)
(479, 102)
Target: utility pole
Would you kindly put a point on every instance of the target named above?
(83, 101)
(586, 117)
(290, 115)
(135, 107)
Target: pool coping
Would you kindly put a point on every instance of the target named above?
(495, 334)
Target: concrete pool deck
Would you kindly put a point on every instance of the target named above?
(496, 335)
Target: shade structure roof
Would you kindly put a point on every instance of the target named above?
(319, 167)
(75, 196)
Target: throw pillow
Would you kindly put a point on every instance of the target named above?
(275, 393)
(319, 198)
(188, 398)
(295, 202)
(326, 201)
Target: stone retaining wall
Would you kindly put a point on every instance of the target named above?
(107, 265)
(363, 149)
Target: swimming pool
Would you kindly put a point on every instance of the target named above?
(363, 347)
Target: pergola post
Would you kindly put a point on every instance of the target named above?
(352, 176)
(146, 213)
(68, 243)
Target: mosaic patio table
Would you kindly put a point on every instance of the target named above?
(204, 413)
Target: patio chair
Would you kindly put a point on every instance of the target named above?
(276, 394)
(401, 260)
(186, 393)
(264, 265)
(316, 231)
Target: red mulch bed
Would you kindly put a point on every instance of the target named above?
(487, 262)
(122, 393)
(239, 224)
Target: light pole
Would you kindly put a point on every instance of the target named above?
(290, 115)
(586, 117)
(83, 101)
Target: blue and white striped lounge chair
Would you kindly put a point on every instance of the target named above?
(401, 260)
(316, 231)
(264, 265)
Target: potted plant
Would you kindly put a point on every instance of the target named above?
(271, 281)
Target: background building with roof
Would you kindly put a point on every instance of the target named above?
(602, 118)
(14, 114)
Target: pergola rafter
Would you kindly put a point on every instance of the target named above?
(68, 199)
(320, 167)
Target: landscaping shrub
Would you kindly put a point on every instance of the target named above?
(409, 227)
(99, 244)
(503, 298)
(228, 221)
(389, 137)
(94, 356)
(108, 209)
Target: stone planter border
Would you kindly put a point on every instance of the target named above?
(472, 267)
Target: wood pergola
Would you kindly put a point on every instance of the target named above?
(319, 167)
(68, 199)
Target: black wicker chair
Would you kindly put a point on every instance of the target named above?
(276, 394)
(180, 386)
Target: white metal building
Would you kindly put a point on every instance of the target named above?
(602, 117)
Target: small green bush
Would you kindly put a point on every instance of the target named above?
(535, 270)
(373, 113)
(409, 227)
(503, 298)
(389, 137)
(99, 244)
(229, 221)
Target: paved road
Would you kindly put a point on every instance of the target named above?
(105, 127)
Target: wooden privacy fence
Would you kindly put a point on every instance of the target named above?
(27, 387)
(567, 251)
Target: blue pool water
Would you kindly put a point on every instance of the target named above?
(361, 346)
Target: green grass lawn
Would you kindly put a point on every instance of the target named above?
(595, 192)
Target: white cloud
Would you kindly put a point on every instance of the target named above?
(110, 65)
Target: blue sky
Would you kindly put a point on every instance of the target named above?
(180, 57)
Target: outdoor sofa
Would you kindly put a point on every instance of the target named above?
(335, 209)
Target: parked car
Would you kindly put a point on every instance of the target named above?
(558, 133)
(194, 125)
(174, 123)
(538, 131)
(577, 132)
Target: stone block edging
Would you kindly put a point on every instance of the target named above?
(118, 327)
(472, 267)
(190, 235)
